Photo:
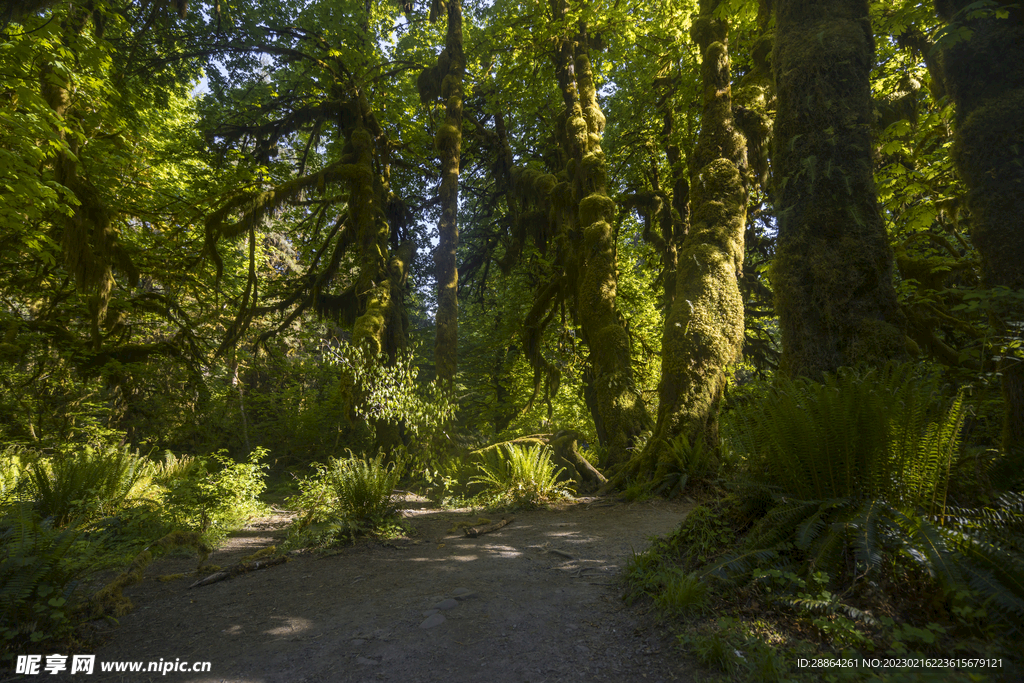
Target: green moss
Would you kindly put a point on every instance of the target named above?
(368, 330)
(597, 208)
(833, 266)
(448, 139)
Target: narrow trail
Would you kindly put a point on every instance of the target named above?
(534, 601)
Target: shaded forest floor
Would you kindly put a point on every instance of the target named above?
(534, 601)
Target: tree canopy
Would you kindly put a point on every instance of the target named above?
(574, 215)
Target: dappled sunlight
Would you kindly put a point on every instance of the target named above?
(502, 550)
(292, 626)
(449, 558)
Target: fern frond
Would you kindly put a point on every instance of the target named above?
(864, 526)
(739, 563)
(928, 547)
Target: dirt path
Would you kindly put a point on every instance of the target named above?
(534, 601)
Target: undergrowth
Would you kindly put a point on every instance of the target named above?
(69, 512)
(346, 498)
(842, 541)
(523, 476)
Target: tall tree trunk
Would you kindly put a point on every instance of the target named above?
(832, 272)
(617, 407)
(704, 326)
(449, 140)
(985, 76)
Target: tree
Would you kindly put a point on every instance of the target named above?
(832, 272)
(449, 146)
(983, 63)
(704, 326)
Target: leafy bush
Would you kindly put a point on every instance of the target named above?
(691, 464)
(328, 393)
(681, 592)
(215, 501)
(525, 476)
(85, 484)
(12, 471)
(858, 470)
(447, 481)
(878, 434)
(174, 468)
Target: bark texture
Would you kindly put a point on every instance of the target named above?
(832, 272)
(984, 74)
(618, 410)
(704, 325)
(448, 143)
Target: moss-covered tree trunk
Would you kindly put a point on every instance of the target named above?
(832, 272)
(985, 77)
(616, 405)
(704, 325)
(448, 146)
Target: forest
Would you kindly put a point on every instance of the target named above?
(764, 257)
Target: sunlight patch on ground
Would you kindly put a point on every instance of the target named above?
(502, 550)
(291, 626)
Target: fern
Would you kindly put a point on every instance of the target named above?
(93, 482)
(37, 576)
(363, 488)
(740, 563)
(524, 476)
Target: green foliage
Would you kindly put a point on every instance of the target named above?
(703, 535)
(693, 465)
(716, 649)
(363, 488)
(13, 467)
(173, 468)
(346, 497)
(877, 434)
(323, 394)
(858, 469)
(85, 483)
(523, 477)
(40, 569)
(681, 593)
(218, 494)
(640, 576)
(448, 482)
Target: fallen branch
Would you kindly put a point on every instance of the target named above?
(240, 568)
(473, 532)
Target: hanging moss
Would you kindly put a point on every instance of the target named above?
(448, 139)
(368, 330)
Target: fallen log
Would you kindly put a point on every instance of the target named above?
(239, 568)
(473, 532)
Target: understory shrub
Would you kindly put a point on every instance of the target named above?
(88, 482)
(846, 533)
(215, 495)
(522, 476)
(346, 497)
(857, 469)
